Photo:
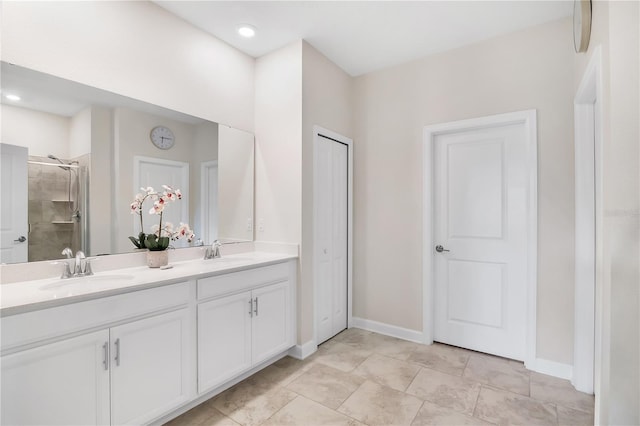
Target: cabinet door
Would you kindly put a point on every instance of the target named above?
(224, 339)
(150, 367)
(271, 321)
(62, 383)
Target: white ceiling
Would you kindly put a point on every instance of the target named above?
(363, 36)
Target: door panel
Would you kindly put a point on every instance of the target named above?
(331, 215)
(149, 367)
(156, 172)
(224, 339)
(481, 217)
(62, 383)
(14, 207)
(271, 327)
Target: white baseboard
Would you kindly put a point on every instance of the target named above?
(387, 329)
(552, 368)
(304, 350)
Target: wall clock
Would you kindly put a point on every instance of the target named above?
(581, 24)
(162, 137)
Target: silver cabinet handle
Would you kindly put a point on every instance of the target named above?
(256, 309)
(21, 239)
(117, 357)
(440, 249)
(105, 359)
(251, 308)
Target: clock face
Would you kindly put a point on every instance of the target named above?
(581, 25)
(162, 137)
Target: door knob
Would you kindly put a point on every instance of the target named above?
(22, 239)
(440, 249)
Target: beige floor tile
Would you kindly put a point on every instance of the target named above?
(561, 392)
(447, 359)
(378, 343)
(375, 404)
(302, 411)
(387, 371)
(251, 402)
(498, 372)
(202, 415)
(340, 356)
(326, 385)
(284, 371)
(397, 348)
(507, 408)
(570, 417)
(445, 390)
(432, 414)
(353, 336)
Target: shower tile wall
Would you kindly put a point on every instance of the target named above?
(48, 194)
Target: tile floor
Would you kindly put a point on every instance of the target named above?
(364, 378)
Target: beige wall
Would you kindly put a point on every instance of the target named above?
(327, 101)
(278, 122)
(136, 49)
(80, 133)
(528, 69)
(100, 180)
(42, 133)
(616, 33)
(235, 184)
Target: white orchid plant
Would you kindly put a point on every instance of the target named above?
(162, 234)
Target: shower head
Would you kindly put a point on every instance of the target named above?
(53, 157)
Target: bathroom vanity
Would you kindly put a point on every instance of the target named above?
(136, 345)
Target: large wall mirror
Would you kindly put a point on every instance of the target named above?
(74, 157)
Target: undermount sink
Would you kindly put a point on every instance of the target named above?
(102, 278)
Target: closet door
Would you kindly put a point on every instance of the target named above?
(331, 213)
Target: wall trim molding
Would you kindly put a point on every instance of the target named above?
(552, 368)
(303, 351)
(388, 329)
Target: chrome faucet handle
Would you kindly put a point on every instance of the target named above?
(215, 249)
(66, 272)
(67, 252)
(87, 267)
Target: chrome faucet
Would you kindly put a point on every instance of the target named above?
(213, 252)
(81, 267)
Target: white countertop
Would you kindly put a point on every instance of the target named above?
(25, 296)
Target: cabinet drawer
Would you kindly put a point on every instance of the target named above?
(238, 281)
(30, 327)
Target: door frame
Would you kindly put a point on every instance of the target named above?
(317, 133)
(588, 119)
(206, 168)
(528, 119)
(138, 160)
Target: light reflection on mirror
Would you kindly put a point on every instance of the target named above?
(84, 154)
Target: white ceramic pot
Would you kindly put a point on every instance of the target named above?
(156, 259)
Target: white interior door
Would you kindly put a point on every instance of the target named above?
(156, 172)
(14, 205)
(480, 222)
(331, 251)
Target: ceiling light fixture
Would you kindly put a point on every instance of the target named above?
(13, 97)
(246, 30)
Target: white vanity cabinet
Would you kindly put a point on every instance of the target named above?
(242, 330)
(142, 356)
(61, 383)
(129, 373)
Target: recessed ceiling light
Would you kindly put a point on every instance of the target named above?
(246, 30)
(13, 97)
